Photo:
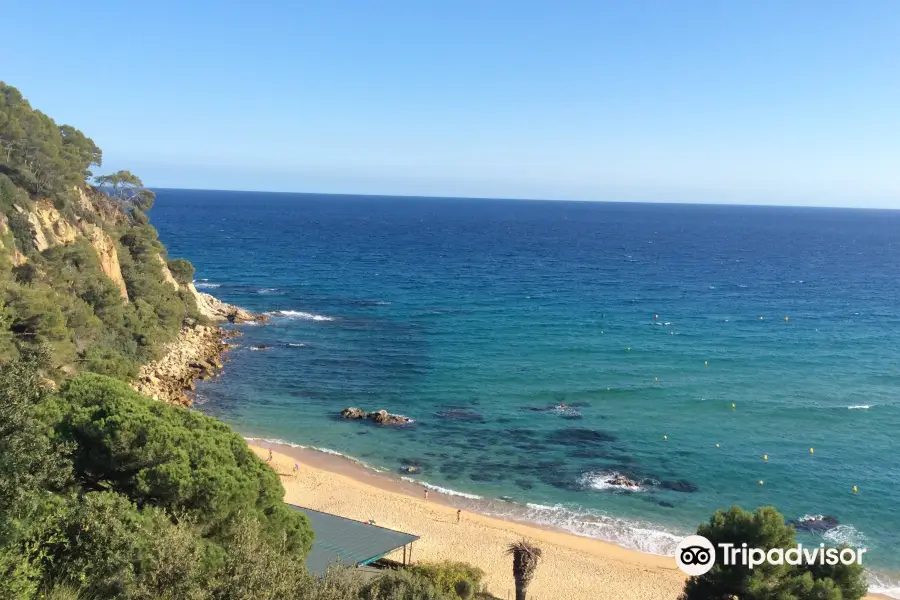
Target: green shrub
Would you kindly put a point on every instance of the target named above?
(765, 528)
(465, 589)
(446, 575)
(173, 458)
(22, 231)
(182, 270)
(403, 585)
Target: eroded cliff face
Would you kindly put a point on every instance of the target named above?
(109, 256)
(167, 274)
(52, 228)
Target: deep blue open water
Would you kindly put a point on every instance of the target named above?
(476, 317)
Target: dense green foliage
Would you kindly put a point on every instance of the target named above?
(60, 298)
(40, 156)
(445, 576)
(173, 458)
(182, 270)
(766, 529)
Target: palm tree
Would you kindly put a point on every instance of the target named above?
(526, 557)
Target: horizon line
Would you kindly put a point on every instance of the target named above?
(521, 199)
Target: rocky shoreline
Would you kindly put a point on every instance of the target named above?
(196, 354)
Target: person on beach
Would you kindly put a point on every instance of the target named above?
(458, 514)
(426, 493)
(296, 468)
(270, 457)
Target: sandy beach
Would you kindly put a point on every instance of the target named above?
(573, 567)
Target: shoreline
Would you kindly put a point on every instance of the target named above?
(196, 353)
(573, 567)
(581, 565)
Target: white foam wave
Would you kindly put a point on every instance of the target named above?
(441, 490)
(299, 314)
(278, 441)
(859, 407)
(251, 323)
(267, 291)
(293, 345)
(845, 535)
(593, 524)
(880, 583)
(281, 442)
(566, 411)
(204, 285)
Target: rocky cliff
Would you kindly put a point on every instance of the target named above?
(196, 354)
(52, 228)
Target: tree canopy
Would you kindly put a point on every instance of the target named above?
(37, 154)
(765, 529)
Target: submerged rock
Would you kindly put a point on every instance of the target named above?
(682, 485)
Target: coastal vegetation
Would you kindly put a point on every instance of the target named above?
(107, 493)
(526, 557)
(765, 529)
(82, 272)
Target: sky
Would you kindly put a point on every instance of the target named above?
(768, 102)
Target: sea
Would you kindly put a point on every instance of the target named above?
(716, 355)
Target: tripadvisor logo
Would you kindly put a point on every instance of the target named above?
(696, 555)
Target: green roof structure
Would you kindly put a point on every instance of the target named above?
(348, 542)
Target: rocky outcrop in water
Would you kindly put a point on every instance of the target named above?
(619, 480)
(815, 523)
(380, 417)
(214, 309)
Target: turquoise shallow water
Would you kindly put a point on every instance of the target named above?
(475, 318)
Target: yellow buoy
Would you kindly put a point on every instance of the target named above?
(854, 489)
(717, 445)
(760, 482)
(705, 363)
(732, 406)
(812, 450)
(786, 319)
(765, 457)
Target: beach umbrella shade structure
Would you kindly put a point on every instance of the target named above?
(526, 557)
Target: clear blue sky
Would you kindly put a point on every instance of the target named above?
(783, 102)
